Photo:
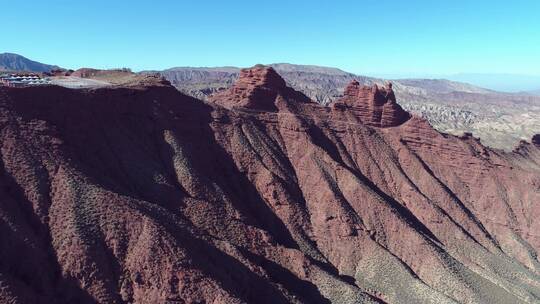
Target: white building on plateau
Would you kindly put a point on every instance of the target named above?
(23, 80)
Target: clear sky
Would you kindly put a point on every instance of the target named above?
(376, 37)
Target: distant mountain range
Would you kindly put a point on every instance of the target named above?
(14, 62)
(510, 83)
(500, 82)
(322, 84)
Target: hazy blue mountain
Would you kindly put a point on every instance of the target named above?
(15, 62)
(500, 82)
(510, 83)
(535, 92)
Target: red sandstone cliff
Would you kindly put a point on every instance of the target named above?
(258, 88)
(373, 106)
(145, 195)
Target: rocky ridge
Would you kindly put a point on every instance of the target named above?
(257, 88)
(501, 120)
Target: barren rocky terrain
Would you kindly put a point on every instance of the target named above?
(141, 194)
(94, 78)
(501, 120)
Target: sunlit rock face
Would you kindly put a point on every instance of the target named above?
(374, 106)
(256, 88)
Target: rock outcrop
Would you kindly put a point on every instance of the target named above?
(374, 106)
(258, 88)
(141, 194)
(536, 140)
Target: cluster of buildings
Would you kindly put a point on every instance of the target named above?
(23, 80)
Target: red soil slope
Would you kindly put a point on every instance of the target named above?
(144, 195)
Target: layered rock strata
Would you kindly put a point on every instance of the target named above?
(373, 105)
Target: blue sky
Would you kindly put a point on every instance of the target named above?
(382, 37)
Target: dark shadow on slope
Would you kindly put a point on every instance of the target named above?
(227, 271)
(289, 182)
(35, 267)
(77, 118)
(79, 131)
(215, 164)
(330, 268)
(110, 136)
(305, 290)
